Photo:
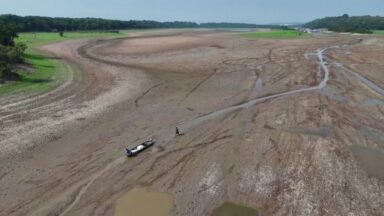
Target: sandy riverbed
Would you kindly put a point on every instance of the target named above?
(63, 153)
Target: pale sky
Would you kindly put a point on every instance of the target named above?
(249, 11)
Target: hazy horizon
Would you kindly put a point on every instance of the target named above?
(244, 11)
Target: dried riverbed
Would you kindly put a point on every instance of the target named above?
(283, 127)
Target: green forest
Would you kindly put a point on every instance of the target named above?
(346, 23)
(47, 24)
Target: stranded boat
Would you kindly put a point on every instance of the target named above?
(136, 150)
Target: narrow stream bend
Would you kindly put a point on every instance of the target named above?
(215, 114)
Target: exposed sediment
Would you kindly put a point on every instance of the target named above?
(301, 146)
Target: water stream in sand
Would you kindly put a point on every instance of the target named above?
(138, 200)
(258, 87)
(366, 81)
(323, 66)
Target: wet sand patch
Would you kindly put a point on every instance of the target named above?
(332, 93)
(373, 102)
(324, 131)
(231, 209)
(143, 202)
(374, 135)
(370, 159)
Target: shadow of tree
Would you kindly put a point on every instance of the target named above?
(38, 57)
(35, 80)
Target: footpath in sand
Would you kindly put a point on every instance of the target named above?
(288, 127)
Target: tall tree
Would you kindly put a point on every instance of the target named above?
(10, 53)
(8, 32)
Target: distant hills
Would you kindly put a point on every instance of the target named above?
(37, 23)
(346, 23)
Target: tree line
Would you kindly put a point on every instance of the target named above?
(234, 25)
(11, 53)
(346, 23)
(46, 24)
(39, 24)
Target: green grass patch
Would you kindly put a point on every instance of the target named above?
(231, 209)
(275, 34)
(41, 38)
(378, 32)
(47, 72)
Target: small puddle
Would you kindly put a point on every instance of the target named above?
(371, 160)
(231, 209)
(141, 201)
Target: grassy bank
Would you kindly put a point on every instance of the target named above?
(35, 39)
(275, 34)
(378, 32)
(45, 73)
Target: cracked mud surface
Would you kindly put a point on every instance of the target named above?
(309, 153)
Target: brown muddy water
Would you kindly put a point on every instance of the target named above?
(143, 202)
(370, 159)
(231, 209)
